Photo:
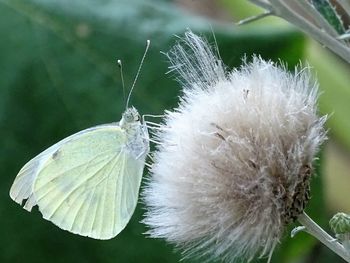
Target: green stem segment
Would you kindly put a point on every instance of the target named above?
(316, 231)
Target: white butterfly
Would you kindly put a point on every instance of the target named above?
(88, 183)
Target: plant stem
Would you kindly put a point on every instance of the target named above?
(322, 33)
(284, 11)
(316, 231)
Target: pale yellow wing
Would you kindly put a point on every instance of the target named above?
(22, 187)
(89, 184)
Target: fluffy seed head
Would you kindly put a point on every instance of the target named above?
(235, 158)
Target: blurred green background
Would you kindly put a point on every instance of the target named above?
(58, 75)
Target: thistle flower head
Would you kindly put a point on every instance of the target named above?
(234, 161)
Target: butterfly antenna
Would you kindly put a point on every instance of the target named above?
(120, 65)
(148, 43)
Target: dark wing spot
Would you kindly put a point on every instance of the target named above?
(55, 154)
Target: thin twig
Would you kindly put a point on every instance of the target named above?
(344, 36)
(316, 231)
(254, 18)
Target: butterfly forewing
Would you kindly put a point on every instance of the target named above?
(89, 184)
(22, 187)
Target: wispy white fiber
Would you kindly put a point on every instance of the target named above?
(235, 158)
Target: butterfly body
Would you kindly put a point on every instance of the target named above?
(88, 183)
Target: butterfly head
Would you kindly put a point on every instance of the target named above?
(130, 116)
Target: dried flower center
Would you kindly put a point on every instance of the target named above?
(294, 205)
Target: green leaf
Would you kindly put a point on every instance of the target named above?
(328, 11)
(59, 75)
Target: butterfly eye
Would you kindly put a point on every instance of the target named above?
(128, 117)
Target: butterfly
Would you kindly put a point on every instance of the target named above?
(88, 183)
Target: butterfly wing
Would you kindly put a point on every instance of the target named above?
(87, 184)
(22, 187)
